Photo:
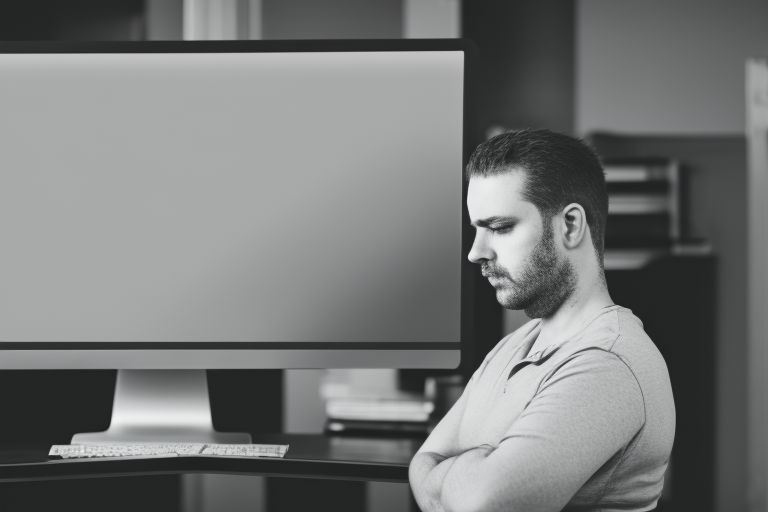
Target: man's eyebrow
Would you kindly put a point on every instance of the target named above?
(482, 223)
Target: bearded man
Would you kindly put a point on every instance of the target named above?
(574, 409)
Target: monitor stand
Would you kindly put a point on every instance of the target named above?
(161, 406)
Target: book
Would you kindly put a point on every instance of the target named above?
(620, 173)
(628, 204)
(379, 409)
(377, 428)
(630, 259)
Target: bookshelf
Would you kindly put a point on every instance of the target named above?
(644, 219)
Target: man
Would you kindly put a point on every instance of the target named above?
(573, 409)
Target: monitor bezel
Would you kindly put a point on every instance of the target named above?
(315, 354)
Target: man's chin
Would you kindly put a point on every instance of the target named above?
(507, 299)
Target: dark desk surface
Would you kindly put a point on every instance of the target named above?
(308, 456)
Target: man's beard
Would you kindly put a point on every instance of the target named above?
(543, 285)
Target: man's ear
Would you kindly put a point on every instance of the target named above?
(575, 228)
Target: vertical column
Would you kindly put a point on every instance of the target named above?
(431, 18)
(222, 19)
(757, 214)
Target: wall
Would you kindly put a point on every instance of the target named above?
(525, 71)
(84, 20)
(331, 19)
(655, 66)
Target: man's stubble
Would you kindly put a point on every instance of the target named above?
(545, 282)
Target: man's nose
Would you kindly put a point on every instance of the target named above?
(480, 251)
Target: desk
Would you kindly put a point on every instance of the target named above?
(309, 456)
(29, 481)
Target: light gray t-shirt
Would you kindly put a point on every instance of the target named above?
(592, 414)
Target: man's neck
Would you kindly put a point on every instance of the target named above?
(580, 307)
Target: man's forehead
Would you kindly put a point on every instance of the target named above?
(499, 195)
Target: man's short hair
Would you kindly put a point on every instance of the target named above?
(559, 170)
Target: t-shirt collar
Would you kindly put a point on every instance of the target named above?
(538, 354)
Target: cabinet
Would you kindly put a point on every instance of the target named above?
(674, 296)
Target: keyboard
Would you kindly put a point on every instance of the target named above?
(72, 451)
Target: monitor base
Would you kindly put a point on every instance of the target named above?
(161, 406)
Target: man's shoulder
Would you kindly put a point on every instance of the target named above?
(611, 330)
(619, 333)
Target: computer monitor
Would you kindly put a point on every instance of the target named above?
(167, 208)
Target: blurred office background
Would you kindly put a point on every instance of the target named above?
(645, 81)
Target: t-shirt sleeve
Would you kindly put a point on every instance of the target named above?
(587, 411)
(444, 438)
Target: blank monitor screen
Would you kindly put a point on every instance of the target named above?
(231, 197)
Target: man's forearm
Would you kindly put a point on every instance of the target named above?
(429, 476)
(459, 483)
(426, 481)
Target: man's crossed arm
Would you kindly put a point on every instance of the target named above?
(432, 470)
(585, 414)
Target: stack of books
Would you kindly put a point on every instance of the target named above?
(643, 211)
(643, 202)
(406, 415)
